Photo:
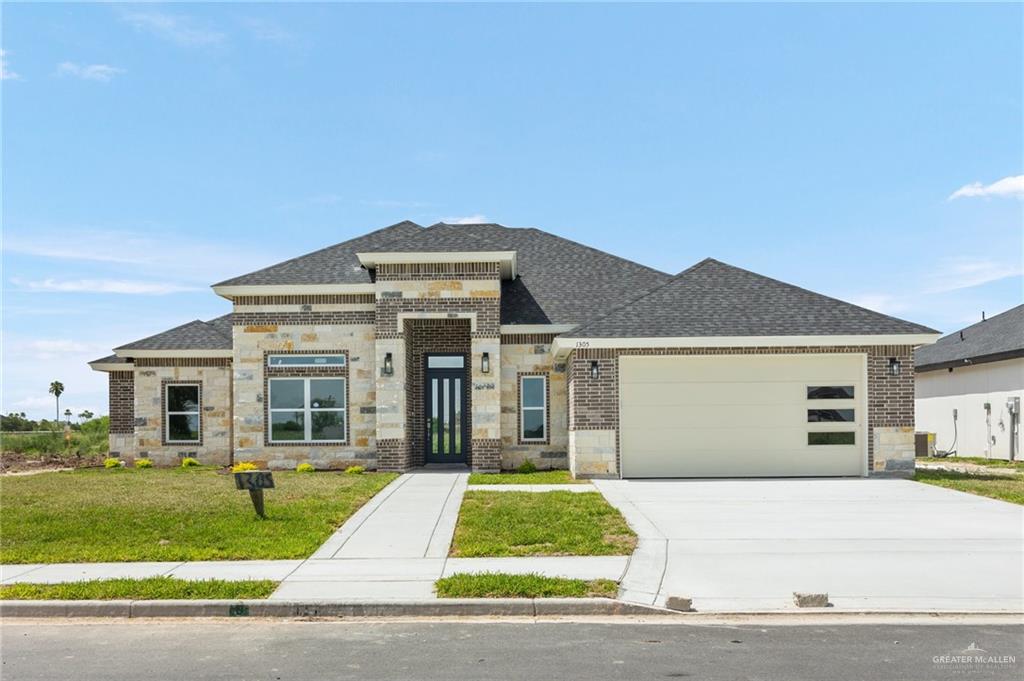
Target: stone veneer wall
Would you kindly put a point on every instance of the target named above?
(304, 324)
(121, 395)
(531, 354)
(594, 404)
(214, 377)
(441, 291)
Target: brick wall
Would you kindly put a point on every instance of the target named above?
(424, 336)
(594, 404)
(122, 402)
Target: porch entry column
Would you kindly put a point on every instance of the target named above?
(485, 453)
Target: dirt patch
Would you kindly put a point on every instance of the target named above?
(16, 462)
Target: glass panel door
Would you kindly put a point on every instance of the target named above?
(444, 407)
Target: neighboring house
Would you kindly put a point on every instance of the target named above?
(491, 346)
(969, 386)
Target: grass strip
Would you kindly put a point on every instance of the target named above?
(150, 588)
(502, 585)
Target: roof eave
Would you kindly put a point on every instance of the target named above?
(970, 361)
(236, 290)
(563, 345)
(507, 259)
(184, 352)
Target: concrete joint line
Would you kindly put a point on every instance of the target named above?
(444, 507)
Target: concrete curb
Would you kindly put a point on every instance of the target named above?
(453, 607)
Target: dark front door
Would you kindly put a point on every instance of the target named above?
(444, 403)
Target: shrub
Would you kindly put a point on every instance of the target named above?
(305, 468)
(527, 467)
(143, 463)
(355, 470)
(242, 466)
(111, 463)
(189, 462)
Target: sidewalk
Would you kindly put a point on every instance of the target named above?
(392, 549)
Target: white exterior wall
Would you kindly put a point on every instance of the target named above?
(967, 389)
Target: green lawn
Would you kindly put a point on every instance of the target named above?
(500, 585)
(536, 478)
(996, 486)
(171, 514)
(540, 524)
(978, 460)
(151, 588)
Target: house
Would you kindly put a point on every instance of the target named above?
(490, 346)
(969, 386)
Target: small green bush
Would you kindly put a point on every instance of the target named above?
(243, 466)
(111, 463)
(355, 470)
(143, 463)
(526, 467)
(305, 468)
(189, 462)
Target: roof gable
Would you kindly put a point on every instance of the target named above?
(714, 299)
(998, 337)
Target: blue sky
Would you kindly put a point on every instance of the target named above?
(151, 150)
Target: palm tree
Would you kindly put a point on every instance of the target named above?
(86, 415)
(57, 389)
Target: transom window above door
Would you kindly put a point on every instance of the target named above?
(446, 362)
(307, 410)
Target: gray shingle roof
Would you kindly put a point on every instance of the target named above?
(195, 335)
(111, 359)
(996, 338)
(715, 299)
(335, 264)
(560, 281)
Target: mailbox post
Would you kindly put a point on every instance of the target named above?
(255, 482)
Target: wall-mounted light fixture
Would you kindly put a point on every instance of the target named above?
(594, 371)
(485, 363)
(389, 367)
(894, 366)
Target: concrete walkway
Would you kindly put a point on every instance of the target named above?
(393, 548)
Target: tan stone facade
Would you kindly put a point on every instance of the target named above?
(520, 357)
(150, 437)
(325, 324)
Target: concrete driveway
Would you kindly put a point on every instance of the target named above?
(896, 545)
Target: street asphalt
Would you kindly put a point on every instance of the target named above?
(276, 650)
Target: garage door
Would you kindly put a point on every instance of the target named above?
(742, 416)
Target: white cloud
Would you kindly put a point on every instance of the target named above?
(100, 72)
(1008, 186)
(175, 28)
(103, 286)
(185, 258)
(958, 273)
(4, 73)
(466, 220)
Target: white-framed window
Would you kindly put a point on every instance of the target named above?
(182, 410)
(290, 361)
(307, 409)
(533, 408)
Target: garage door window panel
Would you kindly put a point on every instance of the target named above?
(830, 416)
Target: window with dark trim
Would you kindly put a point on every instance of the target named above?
(182, 413)
(307, 410)
(533, 407)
